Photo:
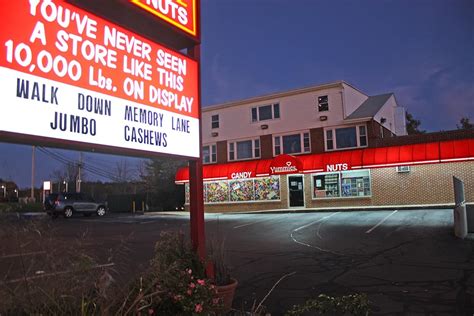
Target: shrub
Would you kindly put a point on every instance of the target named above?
(354, 304)
(177, 282)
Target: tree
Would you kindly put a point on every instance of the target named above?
(122, 171)
(67, 173)
(465, 123)
(158, 175)
(413, 125)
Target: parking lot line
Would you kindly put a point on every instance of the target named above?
(314, 246)
(317, 221)
(379, 223)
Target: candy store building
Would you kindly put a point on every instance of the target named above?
(322, 147)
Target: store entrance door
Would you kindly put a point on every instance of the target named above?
(296, 191)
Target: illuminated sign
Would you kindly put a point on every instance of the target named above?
(241, 175)
(285, 164)
(46, 185)
(68, 75)
(179, 13)
(337, 167)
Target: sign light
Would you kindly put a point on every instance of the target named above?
(179, 13)
(70, 76)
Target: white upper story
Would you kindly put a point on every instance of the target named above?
(329, 107)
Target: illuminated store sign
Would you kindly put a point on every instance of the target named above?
(241, 175)
(337, 167)
(285, 164)
(67, 75)
(179, 13)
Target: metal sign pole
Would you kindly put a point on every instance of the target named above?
(196, 199)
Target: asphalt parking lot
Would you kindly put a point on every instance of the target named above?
(408, 262)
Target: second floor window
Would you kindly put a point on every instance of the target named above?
(266, 112)
(323, 104)
(215, 121)
(209, 154)
(246, 149)
(291, 144)
(346, 137)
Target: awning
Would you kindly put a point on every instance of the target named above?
(434, 152)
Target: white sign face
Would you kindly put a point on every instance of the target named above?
(68, 75)
(46, 185)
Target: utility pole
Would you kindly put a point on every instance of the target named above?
(79, 180)
(33, 174)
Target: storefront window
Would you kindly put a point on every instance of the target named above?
(326, 185)
(217, 191)
(187, 193)
(355, 183)
(225, 191)
(241, 190)
(267, 188)
(342, 184)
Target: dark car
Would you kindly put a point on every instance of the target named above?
(68, 204)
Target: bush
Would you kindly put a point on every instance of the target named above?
(178, 274)
(355, 304)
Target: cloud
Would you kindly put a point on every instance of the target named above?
(438, 96)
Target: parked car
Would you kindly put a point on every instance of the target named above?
(68, 204)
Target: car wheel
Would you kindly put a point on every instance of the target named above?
(101, 211)
(68, 212)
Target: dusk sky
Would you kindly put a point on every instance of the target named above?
(422, 51)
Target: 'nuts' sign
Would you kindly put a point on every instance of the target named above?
(179, 13)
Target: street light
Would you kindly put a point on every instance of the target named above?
(16, 191)
(4, 191)
(65, 184)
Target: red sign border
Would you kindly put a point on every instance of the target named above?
(193, 33)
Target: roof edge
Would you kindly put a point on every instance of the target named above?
(276, 95)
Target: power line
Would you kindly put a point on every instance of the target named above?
(90, 168)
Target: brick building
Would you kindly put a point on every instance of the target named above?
(326, 146)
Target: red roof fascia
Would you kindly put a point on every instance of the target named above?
(182, 175)
(263, 167)
(456, 149)
(444, 151)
